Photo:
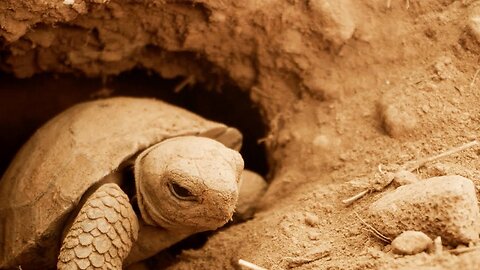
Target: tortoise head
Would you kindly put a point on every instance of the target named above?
(188, 183)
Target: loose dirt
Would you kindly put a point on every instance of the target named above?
(343, 87)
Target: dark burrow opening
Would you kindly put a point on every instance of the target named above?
(26, 104)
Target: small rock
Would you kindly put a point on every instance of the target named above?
(437, 247)
(333, 19)
(411, 242)
(397, 120)
(470, 39)
(443, 206)
(474, 27)
(252, 188)
(404, 177)
(444, 68)
(321, 141)
(314, 236)
(311, 219)
(473, 24)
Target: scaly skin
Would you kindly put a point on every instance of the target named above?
(103, 232)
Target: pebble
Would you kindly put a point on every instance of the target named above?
(311, 219)
(411, 243)
(314, 236)
(473, 24)
(443, 206)
(397, 121)
(470, 40)
(404, 177)
(437, 247)
(333, 19)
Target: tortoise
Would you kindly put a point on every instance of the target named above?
(111, 182)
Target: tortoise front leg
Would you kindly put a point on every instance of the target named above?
(103, 232)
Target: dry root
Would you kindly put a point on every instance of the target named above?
(459, 251)
(250, 265)
(374, 231)
(412, 166)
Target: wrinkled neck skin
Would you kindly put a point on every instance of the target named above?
(151, 240)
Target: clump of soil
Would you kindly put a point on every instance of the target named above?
(343, 87)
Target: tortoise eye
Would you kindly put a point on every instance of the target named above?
(180, 192)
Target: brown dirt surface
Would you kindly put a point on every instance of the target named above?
(343, 87)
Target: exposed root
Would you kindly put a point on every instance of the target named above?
(412, 166)
(407, 4)
(355, 197)
(458, 251)
(311, 256)
(374, 231)
(474, 78)
(250, 265)
(190, 80)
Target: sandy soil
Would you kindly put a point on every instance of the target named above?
(343, 86)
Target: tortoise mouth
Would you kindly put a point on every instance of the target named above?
(150, 216)
(197, 220)
(207, 221)
(157, 219)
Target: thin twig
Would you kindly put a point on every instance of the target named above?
(250, 265)
(376, 235)
(411, 166)
(380, 170)
(312, 255)
(375, 231)
(421, 162)
(463, 250)
(355, 197)
(190, 80)
(407, 4)
(474, 78)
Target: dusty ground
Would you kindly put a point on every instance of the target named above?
(324, 75)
